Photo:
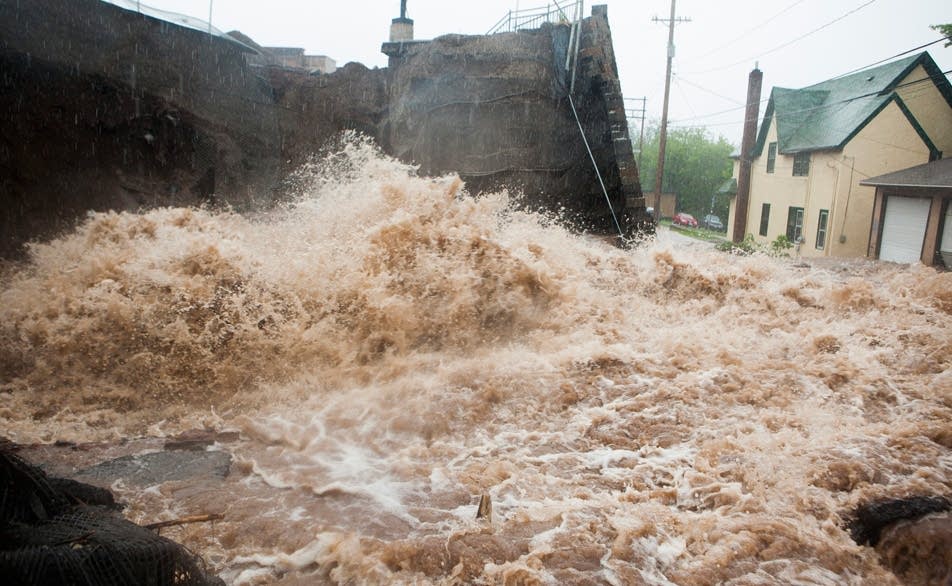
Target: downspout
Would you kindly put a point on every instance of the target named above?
(568, 52)
(831, 221)
(849, 192)
(807, 207)
(578, 43)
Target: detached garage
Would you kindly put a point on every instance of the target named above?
(912, 216)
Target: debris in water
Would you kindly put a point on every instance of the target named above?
(485, 509)
(869, 520)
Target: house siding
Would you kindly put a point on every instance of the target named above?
(889, 142)
(825, 178)
(780, 189)
(929, 107)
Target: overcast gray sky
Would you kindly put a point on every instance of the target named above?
(797, 42)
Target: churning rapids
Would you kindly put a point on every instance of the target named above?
(390, 350)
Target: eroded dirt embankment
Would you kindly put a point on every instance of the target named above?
(109, 109)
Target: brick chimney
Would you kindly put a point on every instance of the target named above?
(754, 83)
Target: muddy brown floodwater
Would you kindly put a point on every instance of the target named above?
(390, 350)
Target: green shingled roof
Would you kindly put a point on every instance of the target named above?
(827, 115)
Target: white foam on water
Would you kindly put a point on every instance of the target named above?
(391, 348)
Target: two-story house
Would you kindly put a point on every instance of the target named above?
(817, 144)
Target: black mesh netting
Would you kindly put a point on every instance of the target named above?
(868, 521)
(62, 532)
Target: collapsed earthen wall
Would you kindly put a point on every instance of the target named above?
(313, 109)
(496, 110)
(105, 108)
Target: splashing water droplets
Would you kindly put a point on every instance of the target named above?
(393, 349)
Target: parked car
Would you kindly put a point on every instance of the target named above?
(683, 219)
(712, 222)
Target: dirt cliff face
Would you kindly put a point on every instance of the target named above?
(104, 108)
(489, 108)
(76, 142)
(313, 109)
(495, 109)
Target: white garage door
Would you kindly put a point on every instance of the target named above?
(904, 228)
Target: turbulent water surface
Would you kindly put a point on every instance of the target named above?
(390, 350)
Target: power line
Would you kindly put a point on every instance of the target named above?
(889, 58)
(684, 95)
(727, 111)
(788, 43)
(754, 28)
(704, 89)
(763, 101)
(814, 108)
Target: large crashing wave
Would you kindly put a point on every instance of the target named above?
(661, 415)
(369, 262)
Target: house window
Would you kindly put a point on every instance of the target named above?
(801, 164)
(821, 229)
(764, 218)
(794, 224)
(771, 157)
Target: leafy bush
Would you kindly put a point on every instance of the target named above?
(778, 247)
(748, 246)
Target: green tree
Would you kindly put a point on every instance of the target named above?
(944, 30)
(696, 165)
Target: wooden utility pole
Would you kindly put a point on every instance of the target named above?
(663, 138)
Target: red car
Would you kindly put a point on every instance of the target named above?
(683, 219)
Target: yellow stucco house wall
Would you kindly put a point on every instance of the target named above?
(924, 101)
(816, 144)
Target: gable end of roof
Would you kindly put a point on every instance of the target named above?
(938, 78)
(894, 98)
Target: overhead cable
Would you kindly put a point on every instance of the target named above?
(820, 107)
(788, 43)
(889, 58)
(704, 89)
(754, 28)
(765, 100)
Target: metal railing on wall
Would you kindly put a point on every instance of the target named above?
(172, 17)
(564, 12)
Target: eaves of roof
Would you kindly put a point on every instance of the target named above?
(937, 174)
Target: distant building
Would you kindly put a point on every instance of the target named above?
(290, 57)
(668, 205)
(817, 144)
(294, 58)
